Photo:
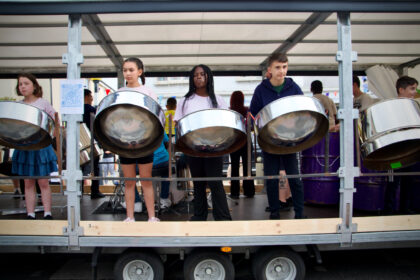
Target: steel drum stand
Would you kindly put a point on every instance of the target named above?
(117, 197)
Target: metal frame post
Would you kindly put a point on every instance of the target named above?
(346, 114)
(73, 175)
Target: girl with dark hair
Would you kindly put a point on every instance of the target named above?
(201, 96)
(237, 104)
(35, 162)
(133, 69)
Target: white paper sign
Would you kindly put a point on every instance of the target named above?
(72, 101)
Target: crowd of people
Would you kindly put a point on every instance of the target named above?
(201, 95)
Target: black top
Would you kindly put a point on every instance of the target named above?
(86, 115)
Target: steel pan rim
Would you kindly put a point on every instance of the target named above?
(45, 124)
(236, 125)
(389, 139)
(285, 109)
(117, 99)
(181, 146)
(186, 127)
(316, 108)
(134, 102)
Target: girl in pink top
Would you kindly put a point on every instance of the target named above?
(35, 162)
(201, 96)
(133, 69)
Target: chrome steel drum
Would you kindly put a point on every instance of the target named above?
(291, 124)
(24, 126)
(85, 136)
(85, 153)
(210, 133)
(390, 134)
(84, 144)
(129, 123)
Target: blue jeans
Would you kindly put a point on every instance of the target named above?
(272, 166)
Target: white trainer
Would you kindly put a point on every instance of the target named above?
(154, 220)
(129, 220)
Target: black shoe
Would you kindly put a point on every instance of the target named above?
(30, 218)
(96, 195)
(289, 201)
(197, 219)
(48, 217)
(16, 194)
(234, 196)
(249, 195)
(300, 216)
(284, 206)
(275, 216)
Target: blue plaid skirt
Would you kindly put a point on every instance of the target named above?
(34, 163)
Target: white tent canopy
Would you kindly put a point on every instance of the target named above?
(226, 41)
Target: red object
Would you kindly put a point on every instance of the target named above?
(107, 90)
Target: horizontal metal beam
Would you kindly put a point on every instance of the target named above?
(215, 55)
(209, 42)
(125, 6)
(207, 22)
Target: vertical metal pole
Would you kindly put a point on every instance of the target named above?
(73, 175)
(120, 78)
(347, 172)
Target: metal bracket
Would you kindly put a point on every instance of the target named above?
(356, 172)
(340, 114)
(346, 233)
(339, 56)
(79, 58)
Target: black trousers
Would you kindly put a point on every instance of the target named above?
(248, 185)
(406, 185)
(208, 167)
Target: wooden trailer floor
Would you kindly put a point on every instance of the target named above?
(100, 210)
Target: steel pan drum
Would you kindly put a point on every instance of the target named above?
(291, 124)
(390, 134)
(129, 123)
(24, 127)
(210, 133)
(84, 145)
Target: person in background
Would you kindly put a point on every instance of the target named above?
(269, 90)
(237, 104)
(107, 165)
(406, 88)
(6, 169)
(201, 96)
(329, 106)
(133, 69)
(88, 110)
(361, 100)
(170, 110)
(35, 162)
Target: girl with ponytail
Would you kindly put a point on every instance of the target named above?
(133, 69)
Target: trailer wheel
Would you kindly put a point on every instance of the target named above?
(279, 264)
(208, 265)
(139, 266)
